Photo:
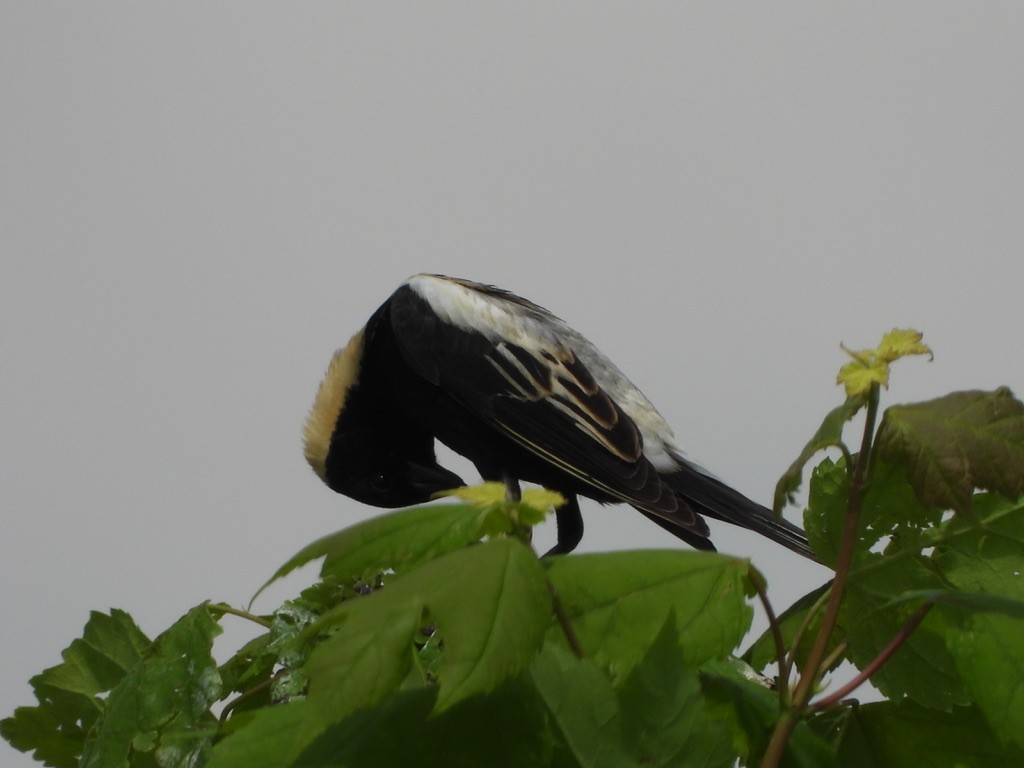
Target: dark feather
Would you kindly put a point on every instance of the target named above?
(524, 397)
(603, 452)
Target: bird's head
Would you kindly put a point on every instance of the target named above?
(392, 481)
(361, 448)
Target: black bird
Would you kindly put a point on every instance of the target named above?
(523, 396)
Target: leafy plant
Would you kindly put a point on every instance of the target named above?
(436, 636)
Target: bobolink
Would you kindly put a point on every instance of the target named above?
(523, 396)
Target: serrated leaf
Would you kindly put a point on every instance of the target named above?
(989, 653)
(922, 668)
(906, 735)
(397, 541)
(493, 493)
(489, 602)
(981, 561)
(251, 665)
(825, 516)
(56, 729)
(365, 659)
(270, 739)
(664, 718)
(829, 435)
(901, 342)
(891, 508)
(861, 374)
(110, 646)
(581, 703)
(750, 711)
(619, 601)
(162, 705)
(986, 554)
(52, 732)
(493, 623)
(503, 728)
(986, 561)
(957, 443)
(870, 367)
(503, 513)
(542, 498)
(987, 648)
(482, 495)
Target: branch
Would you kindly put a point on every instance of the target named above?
(878, 662)
(565, 621)
(811, 672)
(225, 608)
(780, 642)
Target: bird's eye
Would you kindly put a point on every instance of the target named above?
(380, 481)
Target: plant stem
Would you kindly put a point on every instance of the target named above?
(833, 658)
(230, 706)
(808, 619)
(877, 662)
(811, 672)
(565, 621)
(780, 642)
(225, 608)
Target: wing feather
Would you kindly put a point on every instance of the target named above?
(537, 392)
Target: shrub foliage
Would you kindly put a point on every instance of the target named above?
(436, 636)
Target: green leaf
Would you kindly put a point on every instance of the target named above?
(956, 443)
(271, 738)
(922, 668)
(366, 659)
(830, 724)
(986, 556)
(985, 562)
(750, 711)
(870, 367)
(862, 373)
(890, 510)
(110, 646)
(490, 603)
(664, 717)
(531, 508)
(974, 602)
(619, 601)
(901, 342)
(906, 735)
(493, 619)
(397, 541)
(251, 666)
(762, 652)
(989, 654)
(503, 728)
(825, 515)
(162, 705)
(829, 435)
(978, 560)
(581, 703)
(68, 705)
(55, 737)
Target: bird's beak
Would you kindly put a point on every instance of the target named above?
(430, 480)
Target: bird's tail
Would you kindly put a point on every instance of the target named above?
(709, 496)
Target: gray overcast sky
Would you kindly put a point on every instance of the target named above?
(199, 202)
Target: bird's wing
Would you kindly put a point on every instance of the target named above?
(535, 390)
